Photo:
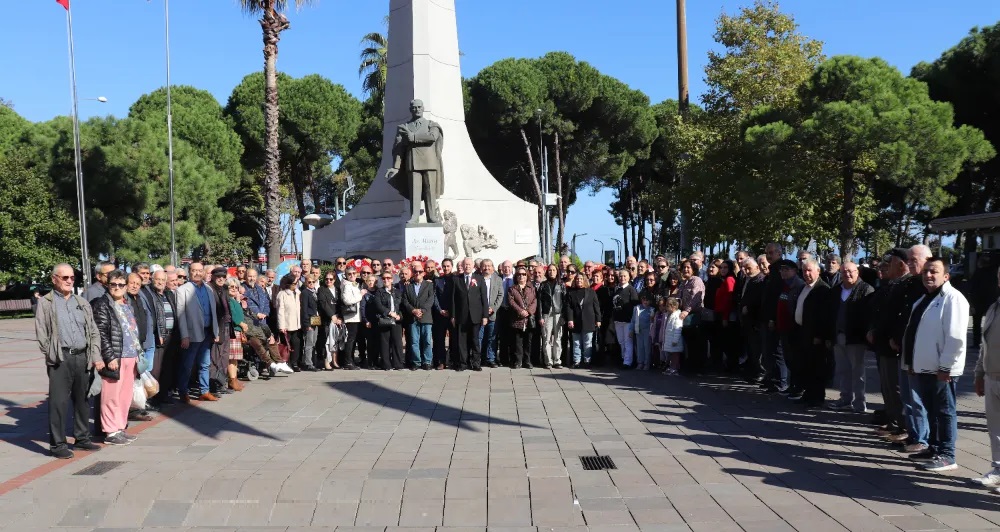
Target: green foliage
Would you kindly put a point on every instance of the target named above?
(225, 249)
(36, 230)
(12, 125)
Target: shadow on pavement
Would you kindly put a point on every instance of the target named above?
(30, 428)
(375, 393)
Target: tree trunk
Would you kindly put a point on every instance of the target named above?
(534, 180)
(847, 217)
(272, 23)
(631, 215)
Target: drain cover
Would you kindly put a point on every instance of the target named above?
(597, 463)
(99, 468)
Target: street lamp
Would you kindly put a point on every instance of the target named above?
(601, 242)
(101, 99)
(574, 242)
(170, 135)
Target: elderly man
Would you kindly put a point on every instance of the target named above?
(783, 325)
(444, 286)
(144, 271)
(164, 307)
(99, 287)
(934, 352)
(900, 309)
(894, 272)
(849, 312)
(494, 301)
(831, 275)
(199, 330)
(502, 330)
(418, 302)
(469, 314)
(564, 263)
(258, 301)
(987, 384)
(698, 258)
(750, 295)
(172, 281)
(805, 351)
(71, 345)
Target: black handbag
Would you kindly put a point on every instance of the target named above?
(385, 321)
(110, 374)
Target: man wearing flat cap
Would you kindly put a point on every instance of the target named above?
(199, 329)
(784, 324)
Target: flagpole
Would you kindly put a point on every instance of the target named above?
(80, 205)
(170, 137)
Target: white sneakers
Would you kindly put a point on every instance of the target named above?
(990, 480)
(281, 367)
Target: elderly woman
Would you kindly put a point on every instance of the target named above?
(692, 292)
(582, 314)
(523, 305)
(290, 318)
(624, 298)
(120, 347)
(237, 326)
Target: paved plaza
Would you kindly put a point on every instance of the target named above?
(373, 451)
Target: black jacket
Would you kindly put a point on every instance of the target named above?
(550, 296)
(469, 303)
(815, 317)
(424, 301)
(160, 329)
(857, 312)
(623, 300)
(900, 305)
(109, 327)
(881, 322)
(582, 308)
(309, 307)
(444, 288)
(140, 315)
(751, 298)
(384, 302)
(327, 302)
(774, 285)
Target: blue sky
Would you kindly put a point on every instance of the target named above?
(120, 51)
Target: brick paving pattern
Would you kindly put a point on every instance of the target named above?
(497, 450)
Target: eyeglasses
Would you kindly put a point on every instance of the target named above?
(387, 264)
(117, 285)
(182, 276)
(571, 271)
(418, 271)
(341, 263)
(65, 277)
(366, 272)
(331, 279)
(387, 278)
(661, 266)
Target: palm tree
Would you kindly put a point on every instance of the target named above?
(272, 22)
(374, 64)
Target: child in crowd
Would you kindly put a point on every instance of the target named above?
(673, 343)
(642, 322)
(659, 327)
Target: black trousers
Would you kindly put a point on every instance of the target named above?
(165, 365)
(439, 333)
(366, 346)
(466, 352)
(505, 336)
(391, 346)
(297, 357)
(522, 346)
(69, 381)
(812, 364)
(346, 355)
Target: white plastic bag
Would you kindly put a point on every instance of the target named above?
(138, 395)
(149, 384)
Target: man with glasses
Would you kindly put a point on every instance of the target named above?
(199, 329)
(418, 302)
(340, 265)
(70, 342)
(388, 267)
(99, 287)
(241, 273)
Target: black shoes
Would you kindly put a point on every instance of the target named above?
(86, 446)
(491, 364)
(62, 453)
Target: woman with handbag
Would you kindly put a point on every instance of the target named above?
(523, 304)
(386, 302)
(350, 305)
(120, 349)
(582, 314)
(327, 297)
(290, 319)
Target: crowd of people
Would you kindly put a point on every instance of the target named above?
(787, 326)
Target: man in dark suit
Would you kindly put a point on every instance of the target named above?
(469, 308)
(813, 320)
(444, 286)
(418, 302)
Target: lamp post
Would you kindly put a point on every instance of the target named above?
(544, 178)
(618, 249)
(573, 252)
(601, 242)
(170, 136)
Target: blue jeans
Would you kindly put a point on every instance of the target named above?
(583, 346)
(150, 356)
(774, 356)
(488, 341)
(419, 335)
(200, 353)
(913, 409)
(939, 398)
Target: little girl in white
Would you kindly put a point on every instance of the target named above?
(673, 343)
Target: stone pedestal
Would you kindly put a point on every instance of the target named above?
(481, 217)
(423, 240)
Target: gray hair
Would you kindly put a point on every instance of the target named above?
(140, 266)
(232, 282)
(921, 251)
(833, 256)
(60, 266)
(810, 263)
(101, 265)
(749, 262)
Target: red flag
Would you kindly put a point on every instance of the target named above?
(64, 3)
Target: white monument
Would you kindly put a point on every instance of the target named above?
(481, 218)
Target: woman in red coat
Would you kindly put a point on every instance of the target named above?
(725, 317)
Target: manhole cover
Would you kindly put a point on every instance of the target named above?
(99, 468)
(597, 463)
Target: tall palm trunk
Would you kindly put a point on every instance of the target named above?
(561, 202)
(272, 23)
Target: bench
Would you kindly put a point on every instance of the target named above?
(15, 305)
